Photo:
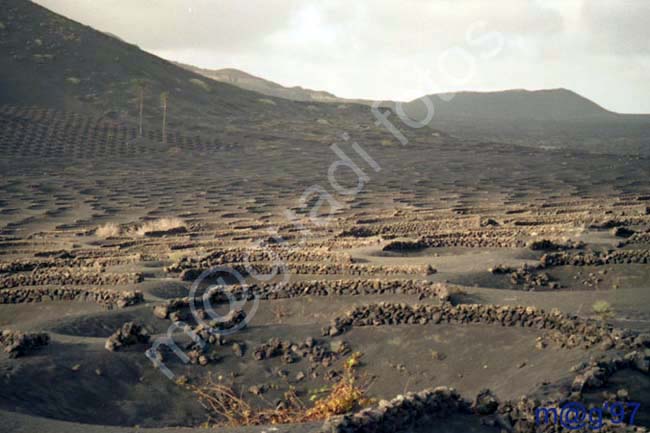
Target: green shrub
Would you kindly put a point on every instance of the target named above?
(602, 309)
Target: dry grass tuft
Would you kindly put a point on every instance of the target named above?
(602, 309)
(226, 408)
(108, 230)
(159, 225)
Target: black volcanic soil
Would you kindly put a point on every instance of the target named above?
(415, 196)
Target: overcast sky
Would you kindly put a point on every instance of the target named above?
(399, 49)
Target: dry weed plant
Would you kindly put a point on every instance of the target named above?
(108, 230)
(227, 408)
(159, 225)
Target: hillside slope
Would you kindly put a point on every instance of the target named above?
(51, 61)
(251, 82)
(248, 81)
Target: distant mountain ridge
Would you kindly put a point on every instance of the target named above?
(548, 118)
(551, 118)
(251, 82)
(541, 105)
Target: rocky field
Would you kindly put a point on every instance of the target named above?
(448, 286)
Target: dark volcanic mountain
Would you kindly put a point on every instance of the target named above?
(47, 59)
(540, 105)
(555, 118)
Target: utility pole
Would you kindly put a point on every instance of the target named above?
(141, 88)
(163, 101)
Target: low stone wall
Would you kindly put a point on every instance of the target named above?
(349, 287)
(401, 413)
(293, 289)
(637, 238)
(595, 258)
(17, 343)
(65, 260)
(44, 277)
(240, 255)
(357, 232)
(401, 246)
(478, 240)
(109, 298)
(316, 269)
(481, 239)
(567, 330)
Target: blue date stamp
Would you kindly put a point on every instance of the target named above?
(575, 416)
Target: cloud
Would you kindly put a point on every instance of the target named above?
(174, 24)
(618, 28)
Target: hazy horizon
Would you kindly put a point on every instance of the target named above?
(392, 51)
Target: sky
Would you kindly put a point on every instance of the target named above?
(399, 49)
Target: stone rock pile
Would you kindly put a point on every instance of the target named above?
(501, 269)
(531, 280)
(17, 343)
(549, 245)
(213, 326)
(290, 352)
(129, 334)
